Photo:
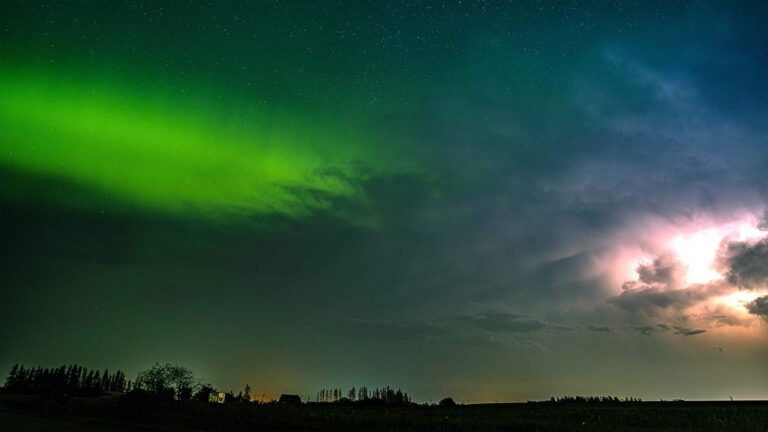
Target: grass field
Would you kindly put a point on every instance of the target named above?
(28, 414)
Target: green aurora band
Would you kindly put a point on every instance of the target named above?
(179, 154)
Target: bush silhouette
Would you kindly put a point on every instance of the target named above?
(447, 402)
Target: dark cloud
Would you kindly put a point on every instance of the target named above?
(646, 330)
(503, 322)
(664, 269)
(562, 327)
(746, 263)
(663, 328)
(463, 330)
(485, 328)
(651, 300)
(759, 307)
(684, 331)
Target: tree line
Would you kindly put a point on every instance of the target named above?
(171, 382)
(162, 382)
(71, 379)
(592, 399)
(362, 395)
(159, 382)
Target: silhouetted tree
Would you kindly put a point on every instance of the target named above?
(383, 396)
(229, 397)
(168, 380)
(447, 402)
(592, 399)
(104, 381)
(12, 376)
(204, 393)
(63, 380)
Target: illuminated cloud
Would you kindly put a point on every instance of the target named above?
(664, 269)
(722, 260)
(651, 300)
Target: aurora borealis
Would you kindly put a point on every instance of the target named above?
(489, 200)
(167, 155)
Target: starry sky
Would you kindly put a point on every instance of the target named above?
(495, 201)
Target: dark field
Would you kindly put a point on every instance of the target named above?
(28, 414)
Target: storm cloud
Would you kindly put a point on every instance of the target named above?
(746, 263)
(651, 299)
(664, 270)
(759, 307)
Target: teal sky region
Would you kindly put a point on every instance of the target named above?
(485, 200)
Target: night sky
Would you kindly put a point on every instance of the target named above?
(490, 201)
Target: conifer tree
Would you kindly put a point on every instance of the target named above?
(13, 377)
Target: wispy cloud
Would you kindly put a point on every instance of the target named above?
(663, 328)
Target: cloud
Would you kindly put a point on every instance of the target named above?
(663, 328)
(600, 328)
(418, 331)
(759, 307)
(724, 316)
(746, 263)
(661, 293)
(491, 328)
(665, 269)
(661, 286)
(684, 331)
(486, 328)
(646, 330)
(763, 223)
(651, 300)
(503, 322)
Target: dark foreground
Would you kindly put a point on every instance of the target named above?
(85, 415)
